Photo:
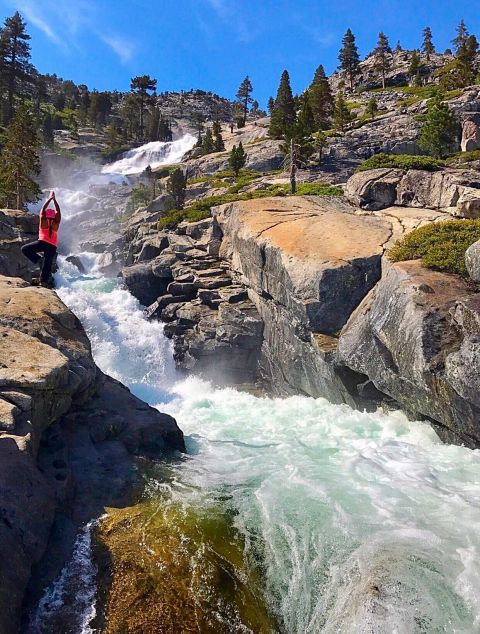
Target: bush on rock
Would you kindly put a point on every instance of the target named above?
(441, 246)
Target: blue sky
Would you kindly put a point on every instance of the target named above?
(213, 44)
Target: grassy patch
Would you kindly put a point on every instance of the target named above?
(353, 105)
(401, 161)
(317, 189)
(464, 157)
(201, 209)
(441, 246)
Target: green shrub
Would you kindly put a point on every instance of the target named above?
(441, 246)
(318, 189)
(464, 157)
(401, 161)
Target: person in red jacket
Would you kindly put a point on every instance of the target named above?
(47, 239)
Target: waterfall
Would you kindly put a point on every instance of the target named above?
(362, 522)
(155, 154)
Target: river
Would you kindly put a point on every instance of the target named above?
(359, 522)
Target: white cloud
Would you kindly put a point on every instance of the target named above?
(234, 15)
(121, 46)
(64, 22)
(30, 11)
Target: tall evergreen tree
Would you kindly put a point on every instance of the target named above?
(217, 136)
(14, 60)
(466, 62)
(141, 86)
(440, 130)
(47, 130)
(208, 145)
(415, 65)
(237, 158)
(177, 187)
(349, 58)
(306, 119)
(462, 35)
(271, 104)
(382, 54)
(20, 161)
(244, 96)
(341, 113)
(283, 115)
(427, 45)
(321, 99)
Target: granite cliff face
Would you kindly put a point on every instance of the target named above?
(62, 425)
(296, 294)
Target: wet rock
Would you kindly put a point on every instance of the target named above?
(420, 347)
(144, 282)
(76, 261)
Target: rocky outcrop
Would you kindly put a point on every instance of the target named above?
(454, 191)
(374, 189)
(416, 337)
(470, 136)
(472, 261)
(16, 229)
(62, 425)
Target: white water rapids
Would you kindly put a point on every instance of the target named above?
(155, 154)
(365, 523)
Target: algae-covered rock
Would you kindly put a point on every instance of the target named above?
(166, 568)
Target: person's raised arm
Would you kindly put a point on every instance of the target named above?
(57, 207)
(45, 205)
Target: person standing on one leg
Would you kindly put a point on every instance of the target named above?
(47, 239)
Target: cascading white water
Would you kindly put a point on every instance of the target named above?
(364, 523)
(155, 154)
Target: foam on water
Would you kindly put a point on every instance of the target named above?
(362, 522)
(155, 154)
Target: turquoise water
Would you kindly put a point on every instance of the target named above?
(360, 522)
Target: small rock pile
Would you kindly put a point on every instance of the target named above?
(215, 328)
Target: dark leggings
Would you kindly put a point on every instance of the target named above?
(32, 250)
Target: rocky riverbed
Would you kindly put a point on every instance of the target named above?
(63, 424)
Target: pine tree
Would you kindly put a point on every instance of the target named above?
(321, 99)
(349, 58)
(217, 136)
(271, 104)
(237, 158)
(440, 130)
(320, 140)
(243, 94)
(283, 115)
(382, 54)
(141, 86)
(306, 119)
(153, 124)
(177, 187)
(466, 62)
(47, 130)
(14, 61)
(341, 113)
(427, 46)
(372, 108)
(20, 161)
(398, 47)
(461, 37)
(415, 66)
(208, 145)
